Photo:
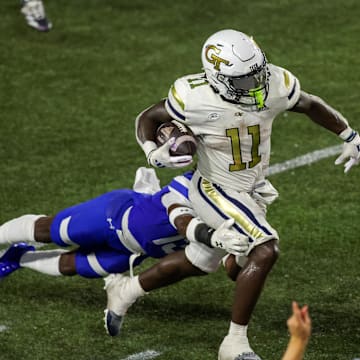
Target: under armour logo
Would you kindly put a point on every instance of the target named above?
(111, 226)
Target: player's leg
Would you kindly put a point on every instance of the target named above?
(87, 264)
(214, 204)
(85, 224)
(249, 284)
(251, 279)
(22, 229)
(169, 270)
(122, 291)
(50, 262)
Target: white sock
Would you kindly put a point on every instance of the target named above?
(239, 332)
(46, 262)
(235, 342)
(236, 329)
(19, 229)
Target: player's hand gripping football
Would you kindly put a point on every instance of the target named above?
(350, 152)
(161, 157)
(232, 241)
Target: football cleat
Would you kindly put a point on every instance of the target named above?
(117, 288)
(10, 260)
(112, 322)
(35, 16)
(236, 348)
(247, 356)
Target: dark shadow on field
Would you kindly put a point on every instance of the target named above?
(184, 310)
(174, 303)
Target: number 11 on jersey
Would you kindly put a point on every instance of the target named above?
(234, 135)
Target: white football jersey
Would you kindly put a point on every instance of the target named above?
(233, 144)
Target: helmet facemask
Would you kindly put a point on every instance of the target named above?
(249, 90)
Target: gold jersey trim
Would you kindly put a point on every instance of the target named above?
(231, 210)
(286, 79)
(177, 97)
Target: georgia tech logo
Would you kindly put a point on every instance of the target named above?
(212, 58)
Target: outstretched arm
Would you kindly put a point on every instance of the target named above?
(320, 112)
(323, 114)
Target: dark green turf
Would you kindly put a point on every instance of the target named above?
(68, 100)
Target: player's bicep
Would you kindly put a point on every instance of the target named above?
(304, 103)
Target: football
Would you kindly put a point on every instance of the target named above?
(185, 141)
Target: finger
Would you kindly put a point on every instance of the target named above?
(296, 309)
(349, 164)
(340, 160)
(180, 165)
(181, 159)
(304, 311)
(168, 143)
(229, 223)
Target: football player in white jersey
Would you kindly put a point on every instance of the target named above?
(230, 107)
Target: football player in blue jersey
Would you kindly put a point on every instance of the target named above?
(112, 232)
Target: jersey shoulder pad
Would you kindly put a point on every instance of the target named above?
(286, 84)
(179, 94)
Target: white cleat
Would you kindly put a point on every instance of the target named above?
(35, 16)
(235, 348)
(117, 289)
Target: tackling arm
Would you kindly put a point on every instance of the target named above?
(324, 115)
(224, 237)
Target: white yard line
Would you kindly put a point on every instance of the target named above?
(306, 159)
(145, 355)
(3, 328)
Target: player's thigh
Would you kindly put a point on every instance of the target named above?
(103, 262)
(214, 204)
(84, 224)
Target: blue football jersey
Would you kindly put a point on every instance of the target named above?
(149, 222)
(113, 226)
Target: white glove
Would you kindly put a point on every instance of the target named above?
(224, 237)
(350, 152)
(160, 157)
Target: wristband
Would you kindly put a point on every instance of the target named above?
(179, 211)
(348, 134)
(148, 146)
